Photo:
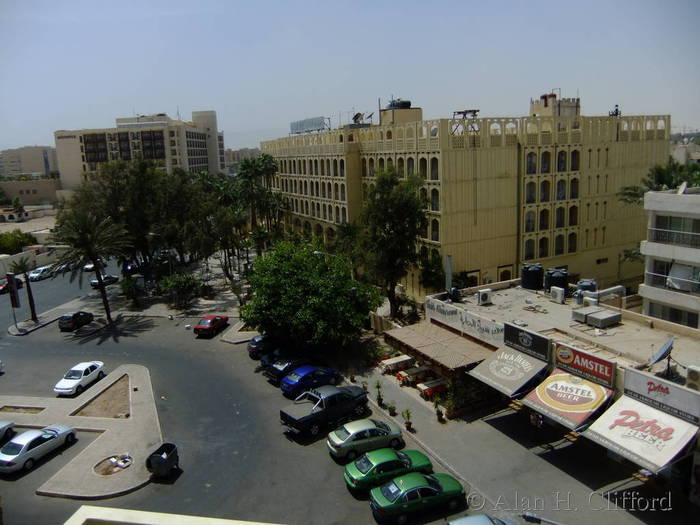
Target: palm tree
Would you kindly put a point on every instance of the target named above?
(24, 267)
(661, 178)
(89, 240)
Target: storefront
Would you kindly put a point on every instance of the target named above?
(654, 425)
(575, 391)
(512, 371)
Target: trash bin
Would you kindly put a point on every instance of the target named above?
(163, 460)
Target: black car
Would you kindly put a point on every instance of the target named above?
(70, 322)
(261, 345)
(276, 370)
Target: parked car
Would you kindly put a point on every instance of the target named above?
(356, 437)
(412, 493)
(6, 430)
(308, 377)
(25, 449)
(4, 287)
(2, 368)
(90, 267)
(78, 377)
(73, 321)
(379, 466)
(40, 273)
(481, 519)
(211, 324)
(326, 405)
(277, 370)
(106, 279)
(261, 345)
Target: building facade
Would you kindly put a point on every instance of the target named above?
(28, 161)
(233, 156)
(193, 146)
(499, 191)
(671, 289)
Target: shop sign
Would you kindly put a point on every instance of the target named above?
(526, 341)
(567, 398)
(464, 321)
(508, 370)
(585, 364)
(664, 395)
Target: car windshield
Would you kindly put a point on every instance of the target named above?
(73, 374)
(205, 322)
(433, 483)
(382, 425)
(363, 464)
(404, 458)
(294, 377)
(342, 433)
(11, 449)
(67, 317)
(391, 491)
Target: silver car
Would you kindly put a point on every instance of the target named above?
(357, 437)
(25, 449)
(6, 431)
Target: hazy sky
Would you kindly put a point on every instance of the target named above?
(72, 64)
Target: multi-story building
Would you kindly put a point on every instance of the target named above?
(192, 146)
(671, 289)
(28, 160)
(499, 191)
(234, 156)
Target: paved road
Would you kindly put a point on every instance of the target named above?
(222, 415)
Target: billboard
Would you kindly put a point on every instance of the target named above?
(525, 341)
(584, 364)
(309, 124)
(663, 395)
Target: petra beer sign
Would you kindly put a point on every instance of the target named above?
(663, 395)
(585, 364)
(12, 287)
(525, 341)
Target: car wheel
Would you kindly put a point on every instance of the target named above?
(314, 430)
(29, 464)
(70, 439)
(395, 444)
(360, 410)
(454, 504)
(100, 375)
(79, 390)
(402, 519)
(351, 455)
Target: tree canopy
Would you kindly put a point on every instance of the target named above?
(661, 178)
(14, 241)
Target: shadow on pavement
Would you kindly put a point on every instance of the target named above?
(170, 479)
(123, 327)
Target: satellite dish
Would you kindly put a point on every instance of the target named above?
(663, 352)
(682, 188)
(370, 115)
(357, 117)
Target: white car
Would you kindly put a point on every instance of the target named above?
(40, 273)
(6, 431)
(78, 377)
(23, 450)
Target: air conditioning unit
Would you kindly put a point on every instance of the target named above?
(693, 379)
(484, 296)
(557, 294)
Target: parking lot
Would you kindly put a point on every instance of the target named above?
(223, 416)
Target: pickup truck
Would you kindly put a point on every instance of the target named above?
(325, 405)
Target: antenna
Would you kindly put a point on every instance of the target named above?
(178, 113)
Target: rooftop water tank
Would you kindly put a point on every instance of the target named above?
(531, 276)
(588, 285)
(556, 277)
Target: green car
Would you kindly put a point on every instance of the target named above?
(379, 466)
(414, 492)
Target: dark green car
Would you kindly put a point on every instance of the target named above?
(413, 493)
(379, 466)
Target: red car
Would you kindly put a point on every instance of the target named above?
(211, 324)
(5, 289)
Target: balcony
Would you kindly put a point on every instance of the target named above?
(674, 237)
(673, 283)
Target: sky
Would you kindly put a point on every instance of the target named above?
(261, 64)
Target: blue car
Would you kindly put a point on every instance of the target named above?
(306, 378)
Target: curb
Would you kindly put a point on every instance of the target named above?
(96, 496)
(12, 330)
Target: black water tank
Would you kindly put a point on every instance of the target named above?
(398, 104)
(556, 277)
(531, 276)
(589, 285)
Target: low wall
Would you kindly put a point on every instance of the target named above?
(36, 258)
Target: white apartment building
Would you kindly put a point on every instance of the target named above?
(27, 160)
(193, 146)
(671, 288)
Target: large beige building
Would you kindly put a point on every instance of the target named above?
(192, 146)
(28, 160)
(500, 191)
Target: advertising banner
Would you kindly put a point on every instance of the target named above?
(464, 321)
(644, 435)
(585, 364)
(664, 395)
(526, 341)
(508, 371)
(567, 398)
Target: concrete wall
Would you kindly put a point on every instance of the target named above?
(39, 257)
(32, 191)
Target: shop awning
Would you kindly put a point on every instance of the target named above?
(508, 371)
(643, 434)
(567, 398)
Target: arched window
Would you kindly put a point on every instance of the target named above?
(423, 168)
(323, 190)
(424, 197)
(558, 245)
(561, 190)
(529, 249)
(544, 191)
(434, 169)
(364, 167)
(410, 166)
(573, 216)
(435, 200)
(529, 221)
(573, 189)
(340, 138)
(335, 168)
(337, 214)
(561, 161)
(364, 191)
(530, 190)
(544, 247)
(423, 253)
(400, 167)
(434, 230)
(545, 162)
(572, 242)
(330, 190)
(328, 167)
(342, 168)
(344, 215)
(559, 216)
(380, 164)
(531, 163)
(325, 214)
(342, 192)
(335, 191)
(388, 135)
(371, 167)
(575, 160)
(544, 219)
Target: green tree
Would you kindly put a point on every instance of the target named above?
(23, 266)
(303, 294)
(432, 274)
(661, 178)
(90, 239)
(348, 242)
(392, 218)
(182, 288)
(15, 241)
(18, 208)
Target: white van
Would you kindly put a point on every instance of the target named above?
(40, 273)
